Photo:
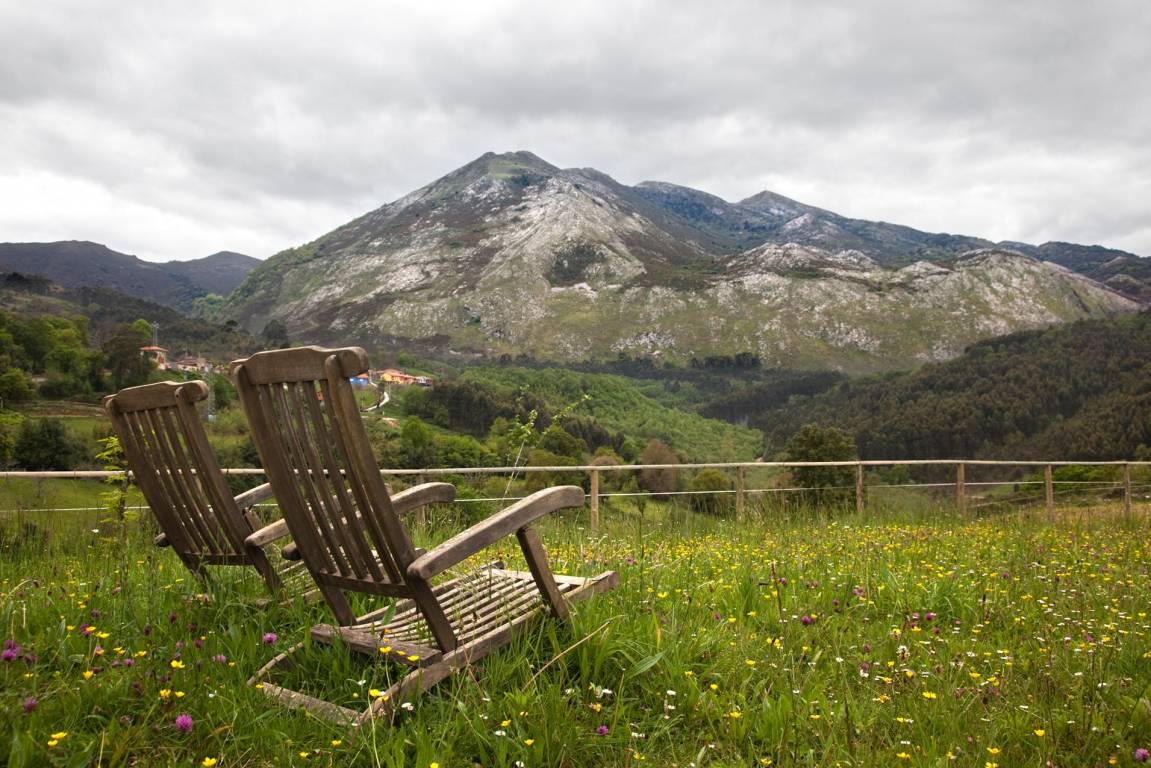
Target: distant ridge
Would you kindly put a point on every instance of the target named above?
(511, 255)
(175, 284)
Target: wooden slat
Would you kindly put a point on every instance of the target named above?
(286, 439)
(345, 511)
(258, 404)
(362, 640)
(327, 509)
(210, 479)
(167, 471)
(221, 540)
(258, 407)
(371, 494)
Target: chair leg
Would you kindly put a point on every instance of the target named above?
(265, 569)
(537, 559)
(332, 713)
(409, 686)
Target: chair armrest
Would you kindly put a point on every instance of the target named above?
(162, 540)
(267, 534)
(291, 552)
(422, 495)
(254, 496)
(509, 520)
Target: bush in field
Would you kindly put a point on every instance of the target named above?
(534, 481)
(711, 484)
(658, 481)
(44, 444)
(9, 431)
(815, 443)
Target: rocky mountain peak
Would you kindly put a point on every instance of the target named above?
(510, 254)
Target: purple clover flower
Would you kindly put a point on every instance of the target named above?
(184, 723)
(30, 704)
(270, 638)
(1142, 755)
(601, 731)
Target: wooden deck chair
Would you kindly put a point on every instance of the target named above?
(169, 455)
(308, 431)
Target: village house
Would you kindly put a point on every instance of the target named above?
(396, 376)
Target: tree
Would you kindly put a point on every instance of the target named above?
(418, 448)
(222, 391)
(658, 481)
(44, 444)
(275, 335)
(815, 443)
(14, 386)
(123, 358)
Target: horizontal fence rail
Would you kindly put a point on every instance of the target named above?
(964, 502)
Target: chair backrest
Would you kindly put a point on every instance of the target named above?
(177, 470)
(307, 429)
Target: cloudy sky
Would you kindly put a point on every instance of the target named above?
(172, 130)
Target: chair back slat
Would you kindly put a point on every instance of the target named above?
(322, 512)
(190, 478)
(174, 479)
(342, 521)
(168, 453)
(349, 493)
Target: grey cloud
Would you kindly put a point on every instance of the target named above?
(1016, 121)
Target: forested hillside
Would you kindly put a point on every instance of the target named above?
(1081, 391)
(105, 309)
(642, 410)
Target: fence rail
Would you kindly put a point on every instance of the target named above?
(740, 491)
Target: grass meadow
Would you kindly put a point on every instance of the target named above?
(905, 638)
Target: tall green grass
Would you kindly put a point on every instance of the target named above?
(793, 638)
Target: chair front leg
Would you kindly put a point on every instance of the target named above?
(537, 559)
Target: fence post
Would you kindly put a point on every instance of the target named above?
(739, 493)
(960, 487)
(859, 488)
(1127, 491)
(595, 499)
(1049, 485)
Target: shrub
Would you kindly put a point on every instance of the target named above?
(43, 445)
(659, 481)
(710, 484)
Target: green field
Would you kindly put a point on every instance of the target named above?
(799, 639)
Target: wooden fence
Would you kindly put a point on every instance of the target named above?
(741, 491)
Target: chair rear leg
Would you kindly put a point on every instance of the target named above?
(265, 569)
(537, 559)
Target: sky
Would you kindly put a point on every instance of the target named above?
(172, 130)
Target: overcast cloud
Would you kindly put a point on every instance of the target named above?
(175, 129)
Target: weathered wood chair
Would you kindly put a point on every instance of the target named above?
(347, 528)
(168, 453)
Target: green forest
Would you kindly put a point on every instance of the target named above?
(1075, 392)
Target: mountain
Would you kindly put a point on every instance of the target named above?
(175, 284)
(219, 273)
(105, 309)
(512, 255)
(1080, 392)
